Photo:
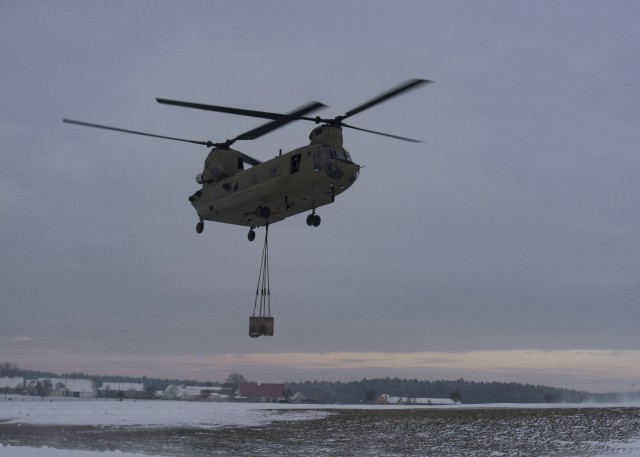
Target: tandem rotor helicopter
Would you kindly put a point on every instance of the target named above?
(298, 181)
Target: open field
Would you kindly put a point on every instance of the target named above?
(201, 429)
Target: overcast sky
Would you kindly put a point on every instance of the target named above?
(504, 247)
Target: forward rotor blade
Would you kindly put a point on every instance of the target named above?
(275, 124)
(116, 129)
(411, 140)
(230, 110)
(409, 85)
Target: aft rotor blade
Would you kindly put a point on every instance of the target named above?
(270, 126)
(404, 87)
(250, 160)
(380, 133)
(116, 129)
(275, 124)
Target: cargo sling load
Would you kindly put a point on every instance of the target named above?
(261, 324)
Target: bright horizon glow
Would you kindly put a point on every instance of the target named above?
(591, 370)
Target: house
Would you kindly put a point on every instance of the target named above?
(61, 387)
(170, 393)
(122, 390)
(194, 393)
(267, 393)
(385, 399)
(297, 398)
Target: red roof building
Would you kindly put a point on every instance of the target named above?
(253, 391)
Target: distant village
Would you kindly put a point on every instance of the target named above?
(70, 388)
(87, 388)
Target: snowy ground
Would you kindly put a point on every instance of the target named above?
(152, 413)
(185, 414)
(21, 451)
(139, 413)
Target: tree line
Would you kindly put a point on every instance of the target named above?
(460, 390)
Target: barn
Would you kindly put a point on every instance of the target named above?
(265, 393)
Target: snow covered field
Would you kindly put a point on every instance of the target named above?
(138, 413)
(153, 415)
(22, 451)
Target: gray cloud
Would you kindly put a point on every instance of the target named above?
(515, 225)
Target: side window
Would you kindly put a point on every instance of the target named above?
(295, 163)
(317, 159)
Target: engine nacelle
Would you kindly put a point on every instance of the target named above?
(220, 164)
(214, 172)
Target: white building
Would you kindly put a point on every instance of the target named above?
(194, 393)
(7, 383)
(122, 389)
(385, 399)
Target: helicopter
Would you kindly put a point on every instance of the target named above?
(301, 180)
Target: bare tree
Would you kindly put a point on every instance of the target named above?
(232, 383)
(43, 389)
(8, 369)
(371, 395)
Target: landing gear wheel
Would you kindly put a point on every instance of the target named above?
(313, 219)
(199, 227)
(263, 211)
(252, 235)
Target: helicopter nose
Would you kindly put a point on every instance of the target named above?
(352, 171)
(341, 171)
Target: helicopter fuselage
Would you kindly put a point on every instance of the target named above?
(298, 181)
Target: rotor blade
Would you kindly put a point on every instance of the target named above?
(228, 110)
(250, 160)
(270, 126)
(116, 129)
(275, 124)
(410, 84)
(383, 134)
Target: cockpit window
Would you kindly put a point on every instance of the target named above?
(342, 153)
(329, 152)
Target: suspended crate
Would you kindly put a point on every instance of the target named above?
(260, 326)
